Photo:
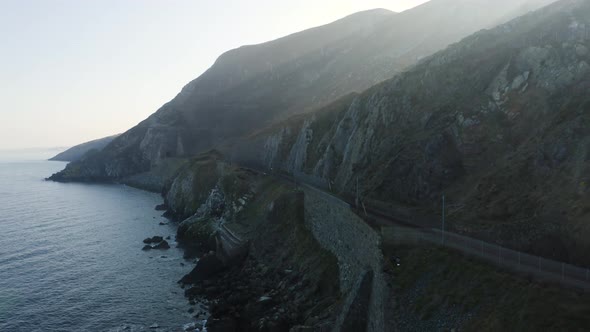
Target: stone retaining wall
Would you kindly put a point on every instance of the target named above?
(357, 247)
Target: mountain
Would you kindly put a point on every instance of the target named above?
(77, 152)
(253, 87)
(499, 122)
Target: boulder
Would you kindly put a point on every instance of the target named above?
(190, 327)
(162, 245)
(155, 239)
(162, 207)
(146, 247)
(207, 267)
(222, 325)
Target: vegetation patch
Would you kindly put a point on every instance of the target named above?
(438, 289)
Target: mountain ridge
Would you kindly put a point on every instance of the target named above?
(229, 101)
(76, 153)
(498, 122)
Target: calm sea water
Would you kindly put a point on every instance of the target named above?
(71, 258)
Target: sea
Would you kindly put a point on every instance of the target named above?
(71, 258)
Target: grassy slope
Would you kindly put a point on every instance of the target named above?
(435, 287)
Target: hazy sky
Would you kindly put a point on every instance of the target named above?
(76, 70)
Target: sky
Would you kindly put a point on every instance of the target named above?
(72, 71)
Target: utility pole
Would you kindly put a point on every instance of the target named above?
(443, 219)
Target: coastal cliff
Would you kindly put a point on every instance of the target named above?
(498, 122)
(253, 87)
(272, 261)
(77, 152)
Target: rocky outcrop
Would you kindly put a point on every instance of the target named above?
(203, 225)
(192, 186)
(156, 242)
(161, 207)
(153, 239)
(280, 259)
(208, 266)
(120, 159)
(228, 197)
(285, 281)
(162, 245)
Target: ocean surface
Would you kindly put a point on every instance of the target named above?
(71, 258)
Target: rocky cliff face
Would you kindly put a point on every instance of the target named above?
(283, 259)
(498, 121)
(249, 88)
(193, 185)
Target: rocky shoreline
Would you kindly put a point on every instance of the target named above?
(268, 257)
(266, 286)
(237, 303)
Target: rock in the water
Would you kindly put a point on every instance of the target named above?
(154, 326)
(162, 245)
(191, 327)
(155, 239)
(161, 207)
(147, 247)
(163, 223)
